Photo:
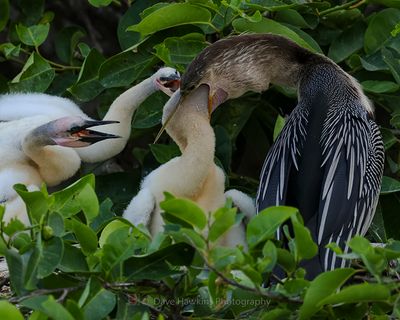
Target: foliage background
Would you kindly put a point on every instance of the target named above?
(91, 51)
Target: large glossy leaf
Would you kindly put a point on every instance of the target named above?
(49, 306)
(224, 219)
(185, 210)
(263, 226)
(88, 85)
(375, 86)
(269, 26)
(175, 14)
(9, 311)
(124, 68)
(389, 185)
(100, 303)
(157, 265)
(350, 41)
(321, 287)
(392, 59)
(36, 201)
(51, 255)
(163, 153)
(35, 76)
(34, 35)
(86, 236)
(179, 52)
(379, 28)
(131, 16)
(364, 292)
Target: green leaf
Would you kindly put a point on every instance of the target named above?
(270, 257)
(64, 196)
(150, 111)
(279, 124)
(34, 35)
(88, 85)
(100, 3)
(292, 17)
(9, 311)
(173, 15)
(185, 210)
(87, 199)
(35, 76)
(374, 260)
(350, 41)
(49, 306)
(130, 17)
(269, 26)
(110, 228)
(393, 62)
(222, 257)
(157, 265)
(124, 68)
(364, 292)
(73, 260)
(85, 235)
(4, 13)
(51, 255)
(321, 287)
(189, 236)
(35, 201)
(263, 226)
(305, 246)
(17, 270)
(224, 219)
(179, 52)
(120, 245)
(99, 305)
(56, 222)
(389, 185)
(163, 152)
(375, 86)
(379, 29)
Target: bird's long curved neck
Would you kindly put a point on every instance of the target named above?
(121, 110)
(125, 105)
(196, 140)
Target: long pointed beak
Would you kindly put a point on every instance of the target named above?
(169, 110)
(91, 136)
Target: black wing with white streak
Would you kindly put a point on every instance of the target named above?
(346, 176)
(283, 155)
(353, 165)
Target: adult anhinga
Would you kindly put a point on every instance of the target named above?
(193, 175)
(23, 105)
(328, 159)
(35, 150)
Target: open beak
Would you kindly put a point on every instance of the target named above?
(84, 136)
(169, 84)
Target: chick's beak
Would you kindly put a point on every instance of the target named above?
(81, 136)
(169, 84)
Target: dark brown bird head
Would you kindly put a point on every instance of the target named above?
(235, 65)
(238, 64)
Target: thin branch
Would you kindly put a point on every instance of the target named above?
(269, 295)
(353, 3)
(40, 292)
